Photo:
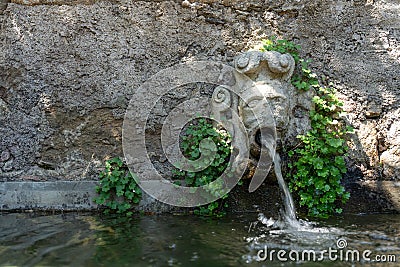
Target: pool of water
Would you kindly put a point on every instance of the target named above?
(81, 239)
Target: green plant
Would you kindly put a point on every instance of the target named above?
(303, 78)
(201, 138)
(117, 190)
(317, 162)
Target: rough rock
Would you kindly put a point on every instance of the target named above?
(390, 160)
(373, 110)
(3, 109)
(368, 138)
(8, 166)
(4, 156)
(393, 136)
(3, 5)
(390, 156)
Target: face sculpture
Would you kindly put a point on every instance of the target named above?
(271, 72)
(262, 104)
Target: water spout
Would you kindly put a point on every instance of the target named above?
(290, 210)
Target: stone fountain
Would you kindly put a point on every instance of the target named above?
(271, 73)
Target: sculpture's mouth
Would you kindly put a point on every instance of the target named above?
(265, 137)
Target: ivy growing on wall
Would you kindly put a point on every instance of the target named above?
(317, 163)
(117, 189)
(216, 157)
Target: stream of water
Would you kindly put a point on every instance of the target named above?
(289, 215)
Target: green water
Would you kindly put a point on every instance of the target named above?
(76, 239)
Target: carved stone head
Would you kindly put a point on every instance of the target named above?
(262, 103)
(271, 72)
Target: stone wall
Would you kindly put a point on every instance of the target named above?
(68, 69)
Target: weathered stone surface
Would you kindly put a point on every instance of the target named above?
(373, 196)
(4, 156)
(364, 148)
(369, 196)
(3, 108)
(8, 166)
(3, 5)
(373, 110)
(47, 195)
(367, 136)
(52, 2)
(60, 195)
(393, 136)
(390, 145)
(390, 160)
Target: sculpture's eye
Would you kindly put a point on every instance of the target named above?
(253, 102)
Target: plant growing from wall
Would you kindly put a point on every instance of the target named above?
(203, 130)
(317, 163)
(117, 189)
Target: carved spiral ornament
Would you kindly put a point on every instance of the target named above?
(222, 95)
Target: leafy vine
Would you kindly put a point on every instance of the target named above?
(317, 164)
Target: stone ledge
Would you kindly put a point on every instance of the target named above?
(61, 195)
(78, 195)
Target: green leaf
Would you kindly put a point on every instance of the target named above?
(335, 142)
